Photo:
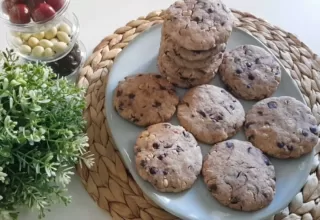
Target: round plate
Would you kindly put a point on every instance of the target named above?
(197, 203)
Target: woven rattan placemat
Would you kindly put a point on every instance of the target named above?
(111, 185)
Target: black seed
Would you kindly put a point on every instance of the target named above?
(156, 104)
(314, 130)
(192, 115)
(272, 104)
(239, 174)
(153, 170)
(250, 76)
(210, 10)
(260, 113)
(249, 149)
(248, 86)
(119, 93)
(266, 160)
(131, 96)
(257, 61)
(155, 145)
(196, 19)
(218, 118)
(290, 148)
(168, 146)
(229, 145)
(165, 172)
(249, 65)
(280, 145)
(232, 107)
(160, 157)
(265, 195)
(213, 187)
(158, 76)
(185, 134)
(162, 87)
(143, 163)
(222, 23)
(234, 200)
(179, 149)
(277, 73)
(238, 71)
(304, 133)
(202, 113)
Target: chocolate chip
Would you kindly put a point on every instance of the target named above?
(187, 104)
(213, 187)
(202, 113)
(247, 125)
(158, 76)
(232, 107)
(155, 145)
(121, 105)
(257, 61)
(250, 76)
(168, 146)
(179, 149)
(305, 133)
(160, 157)
(229, 145)
(238, 71)
(196, 19)
(249, 149)
(192, 115)
(138, 150)
(209, 10)
(131, 96)
(175, 84)
(119, 93)
(156, 104)
(290, 148)
(162, 87)
(280, 144)
(249, 65)
(165, 172)
(314, 130)
(153, 170)
(141, 115)
(234, 200)
(260, 113)
(272, 104)
(143, 163)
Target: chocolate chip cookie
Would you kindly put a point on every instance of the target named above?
(145, 99)
(239, 176)
(175, 55)
(210, 113)
(250, 72)
(185, 77)
(282, 127)
(168, 157)
(198, 24)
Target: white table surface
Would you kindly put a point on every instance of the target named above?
(99, 18)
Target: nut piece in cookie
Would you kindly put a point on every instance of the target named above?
(250, 72)
(239, 175)
(145, 99)
(282, 127)
(210, 113)
(168, 157)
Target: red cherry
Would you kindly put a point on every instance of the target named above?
(43, 12)
(32, 4)
(19, 14)
(56, 4)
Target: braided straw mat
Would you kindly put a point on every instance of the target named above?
(112, 186)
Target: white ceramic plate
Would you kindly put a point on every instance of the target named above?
(197, 203)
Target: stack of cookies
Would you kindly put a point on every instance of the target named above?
(193, 41)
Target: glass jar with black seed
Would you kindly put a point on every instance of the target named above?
(71, 63)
